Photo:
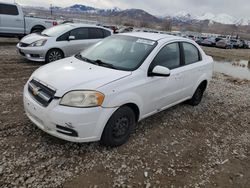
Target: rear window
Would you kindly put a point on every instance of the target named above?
(106, 33)
(8, 9)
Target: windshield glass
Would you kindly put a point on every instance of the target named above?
(56, 30)
(121, 52)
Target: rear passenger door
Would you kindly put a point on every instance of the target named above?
(80, 42)
(95, 35)
(192, 67)
(83, 38)
(11, 21)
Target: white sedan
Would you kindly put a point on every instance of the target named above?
(101, 93)
(60, 41)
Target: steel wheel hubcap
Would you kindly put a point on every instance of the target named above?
(121, 127)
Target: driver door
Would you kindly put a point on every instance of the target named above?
(165, 91)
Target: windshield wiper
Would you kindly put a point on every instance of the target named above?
(95, 62)
(79, 56)
(104, 64)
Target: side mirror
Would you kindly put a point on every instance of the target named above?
(160, 71)
(72, 37)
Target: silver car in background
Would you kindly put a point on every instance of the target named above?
(61, 41)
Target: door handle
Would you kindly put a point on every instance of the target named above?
(18, 20)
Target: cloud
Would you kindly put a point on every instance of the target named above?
(239, 8)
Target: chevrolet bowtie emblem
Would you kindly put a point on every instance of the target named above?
(36, 90)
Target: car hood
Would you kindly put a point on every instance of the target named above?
(73, 74)
(32, 38)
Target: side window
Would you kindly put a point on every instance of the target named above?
(169, 56)
(8, 10)
(63, 37)
(80, 33)
(106, 33)
(95, 33)
(191, 53)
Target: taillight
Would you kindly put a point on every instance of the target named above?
(55, 23)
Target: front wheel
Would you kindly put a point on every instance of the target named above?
(119, 127)
(53, 55)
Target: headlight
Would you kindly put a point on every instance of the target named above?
(82, 99)
(38, 43)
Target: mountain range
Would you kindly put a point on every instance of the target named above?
(219, 18)
(141, 15)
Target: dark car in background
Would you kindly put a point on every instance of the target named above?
(126, 30)
(236, 43)
(209, 42)
(244, 44)
(112, 27)
(199, 40)
(224, 43)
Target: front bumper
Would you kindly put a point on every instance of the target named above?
(33, 53)
(60, 121)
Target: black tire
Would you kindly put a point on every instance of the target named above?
(37, 29)
(54, 55)
(197, 97)
(119, 127)
(20, 37)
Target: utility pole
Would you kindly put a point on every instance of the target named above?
(51, 9)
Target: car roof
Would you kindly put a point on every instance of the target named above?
(76, 25)
(152, 36)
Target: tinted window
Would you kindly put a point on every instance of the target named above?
(63, 37)
(95, 33)
(191, 53)
(169, 56)
(80, 33)
(8, 9)
(106, 33)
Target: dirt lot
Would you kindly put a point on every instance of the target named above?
(204, 146)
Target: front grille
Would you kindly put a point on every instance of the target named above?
(21, 44)
(41, 93)
(35, 55)
(23, 54)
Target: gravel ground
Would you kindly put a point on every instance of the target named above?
(184, 146)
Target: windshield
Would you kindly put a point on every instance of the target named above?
(120, 52)
(56, 30)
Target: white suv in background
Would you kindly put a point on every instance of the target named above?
(101, 93)
(61, 41)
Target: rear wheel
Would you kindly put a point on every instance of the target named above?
(119, 127)
(197, 97)
(54, 55)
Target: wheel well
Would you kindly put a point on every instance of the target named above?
(55, 49)
(203, 85)
(135, 108)
(37, 27)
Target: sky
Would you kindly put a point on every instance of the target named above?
(236, 8)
